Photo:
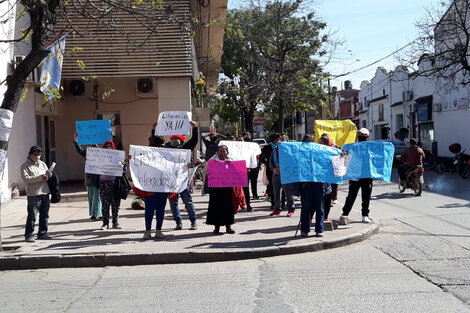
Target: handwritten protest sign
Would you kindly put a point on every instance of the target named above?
(340, 164)
(307, 162)
(93, 132)
(370, 159)
(3, 160)
(104, 161)
(242, 150)
(159, 169)
(173, 123)
(6, 122)
(227, 174)
(340, 132)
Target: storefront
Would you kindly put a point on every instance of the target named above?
(425, 122)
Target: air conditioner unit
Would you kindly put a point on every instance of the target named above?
(80, 88)
(146, 87)
(33, 77)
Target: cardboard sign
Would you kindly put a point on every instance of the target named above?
(173, 123)
(307, 162)
(340, 132)
(93, 132)
(242, 150)
(227, 174)
(6, 122)
(104, 161)
(156, 169)
(370, 159)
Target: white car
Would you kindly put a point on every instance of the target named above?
(261, 141)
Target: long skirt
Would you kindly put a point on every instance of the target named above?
(220, 212)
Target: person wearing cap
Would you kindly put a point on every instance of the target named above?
(178, 142)
(365, 184)
(34, 173)
(413, 156)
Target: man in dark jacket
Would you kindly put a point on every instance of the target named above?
(177, 142)
(264, 157)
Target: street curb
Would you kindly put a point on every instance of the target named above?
(126, 259)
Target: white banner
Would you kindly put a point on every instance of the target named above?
(104, 161)
(340, 164)
(173, 123)
(159, 169)
(242, 150)
(6, 122)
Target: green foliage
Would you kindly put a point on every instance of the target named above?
(271, 54)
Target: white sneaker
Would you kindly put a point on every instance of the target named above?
(147, 235)
(343, 220)
(366, 219)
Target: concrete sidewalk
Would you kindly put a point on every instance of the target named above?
(79, 242)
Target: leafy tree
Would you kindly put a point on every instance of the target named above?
(272, 55)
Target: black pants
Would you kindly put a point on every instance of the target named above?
(365, 184)
(254, 173)
(269, 187)
(246, 192)
(327, 204)
(402, 171)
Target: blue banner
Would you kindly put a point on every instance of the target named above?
(370, 159)
(307, 162)
(93, 132)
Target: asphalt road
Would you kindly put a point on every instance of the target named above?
(417, 263)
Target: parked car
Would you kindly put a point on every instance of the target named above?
(400, 148)
(261, 141)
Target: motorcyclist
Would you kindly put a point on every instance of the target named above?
(413, 156)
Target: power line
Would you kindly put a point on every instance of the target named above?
(375, 62)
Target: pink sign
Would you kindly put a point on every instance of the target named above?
(227, 174)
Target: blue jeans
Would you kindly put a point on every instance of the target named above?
(188, 202)
(157, 203)
(37, 204)
(312, 199)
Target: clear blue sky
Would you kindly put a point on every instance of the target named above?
(371, 30)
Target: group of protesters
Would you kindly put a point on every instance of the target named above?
(103, 190)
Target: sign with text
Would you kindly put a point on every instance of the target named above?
(156, 169)
(340, 132)
(93, 132)
(104, 161)
(307, 162)
(370, 159)
(173, 123)
(227, 174)
(6, 122)
(242, 150)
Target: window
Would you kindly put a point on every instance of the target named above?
(398, 121)
(364, 124)
(381, 112)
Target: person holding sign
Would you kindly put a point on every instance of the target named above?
(365, 184)
(177, 141)
(35, 174)
(109, 194)
(274, 165)
(92, 182)
(220, 210)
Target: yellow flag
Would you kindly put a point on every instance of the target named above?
(341, 132)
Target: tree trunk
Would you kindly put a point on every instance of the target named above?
(249, 116)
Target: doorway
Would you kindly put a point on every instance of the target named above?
(45, 132)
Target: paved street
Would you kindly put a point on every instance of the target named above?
(417, 262)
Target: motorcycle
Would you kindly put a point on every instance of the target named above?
(414, 180)
(461, 159)
(466, 171)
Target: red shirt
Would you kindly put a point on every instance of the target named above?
(413, 156)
